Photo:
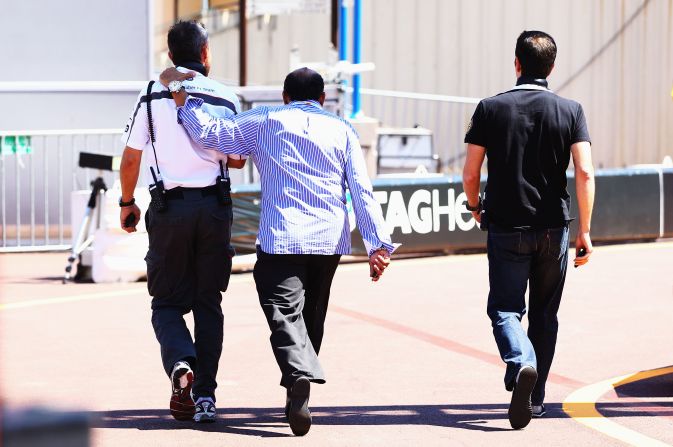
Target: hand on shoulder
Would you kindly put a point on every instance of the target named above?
(173, 74)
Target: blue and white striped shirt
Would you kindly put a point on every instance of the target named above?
(306, 158)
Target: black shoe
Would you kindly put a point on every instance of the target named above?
(539, 411)
(287, 405)
(520, 409)
(299, 415)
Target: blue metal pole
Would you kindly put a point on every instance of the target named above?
(357, 55)
(343, 30)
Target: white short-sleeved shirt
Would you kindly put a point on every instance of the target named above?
(181, 162)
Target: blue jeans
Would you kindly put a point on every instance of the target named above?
(515, 259)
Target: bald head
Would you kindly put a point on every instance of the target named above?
(304, 84)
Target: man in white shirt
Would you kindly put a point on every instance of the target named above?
(188, 223)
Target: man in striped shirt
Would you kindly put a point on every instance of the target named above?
(306, 158)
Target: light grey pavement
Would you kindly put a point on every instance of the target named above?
(409, 360)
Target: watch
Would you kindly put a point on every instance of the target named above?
(175, 86)
(123, 204)
(474, 208)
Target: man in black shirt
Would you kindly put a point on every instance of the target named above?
(529, 134)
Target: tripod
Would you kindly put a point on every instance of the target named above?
(83, 238)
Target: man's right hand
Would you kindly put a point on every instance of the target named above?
(378, 262)
(582, 241)
(172, 74)
(124, 214)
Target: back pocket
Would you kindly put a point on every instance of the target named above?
(558, 241)
(505, 245)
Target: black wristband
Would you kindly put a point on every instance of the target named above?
(123, 204)
(474, 208)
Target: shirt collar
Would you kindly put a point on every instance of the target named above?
(184, 69)
(529, 80)
(307, 102)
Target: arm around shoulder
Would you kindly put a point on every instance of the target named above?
(236, 164)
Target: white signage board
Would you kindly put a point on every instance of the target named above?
(284, 7)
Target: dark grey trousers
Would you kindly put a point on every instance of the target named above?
(294, 294)
(188, 264)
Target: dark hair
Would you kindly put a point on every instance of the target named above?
(304, 84)
(185, 41)
(536, 52)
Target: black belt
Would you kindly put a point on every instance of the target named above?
(178, 192)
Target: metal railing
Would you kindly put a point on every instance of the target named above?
(35, 186)
(446, 116)
(36, 182)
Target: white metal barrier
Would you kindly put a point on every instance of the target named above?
(37, 175)
(36, 181)
(446, 116)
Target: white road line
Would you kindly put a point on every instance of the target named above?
(581, 406)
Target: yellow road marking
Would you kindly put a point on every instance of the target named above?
(433, 260)
(581, 406)
(67, 299)
(21, 303)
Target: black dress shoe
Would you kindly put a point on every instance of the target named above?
(299, 415)
(287, 404)
(520, 409)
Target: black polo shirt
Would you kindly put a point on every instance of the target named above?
(527, 133)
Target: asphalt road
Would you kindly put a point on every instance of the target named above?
(409, 360)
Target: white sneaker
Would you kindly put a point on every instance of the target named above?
(182, 404)
(205, 410)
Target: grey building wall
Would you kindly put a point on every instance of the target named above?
(615, 57)
(270, 40)
(72, 40)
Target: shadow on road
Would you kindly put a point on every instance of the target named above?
(256, 421)
(645, 397)
(234, 421)
(659, 386)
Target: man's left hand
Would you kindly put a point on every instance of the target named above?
(477, 216)
(378, 262)
(172, 74)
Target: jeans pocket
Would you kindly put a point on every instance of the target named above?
(505, 245)
(158, 284)
(558, 239)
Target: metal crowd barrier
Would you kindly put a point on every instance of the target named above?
(37, 174)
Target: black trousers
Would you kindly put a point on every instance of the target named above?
(188, 264)
(294, 293)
